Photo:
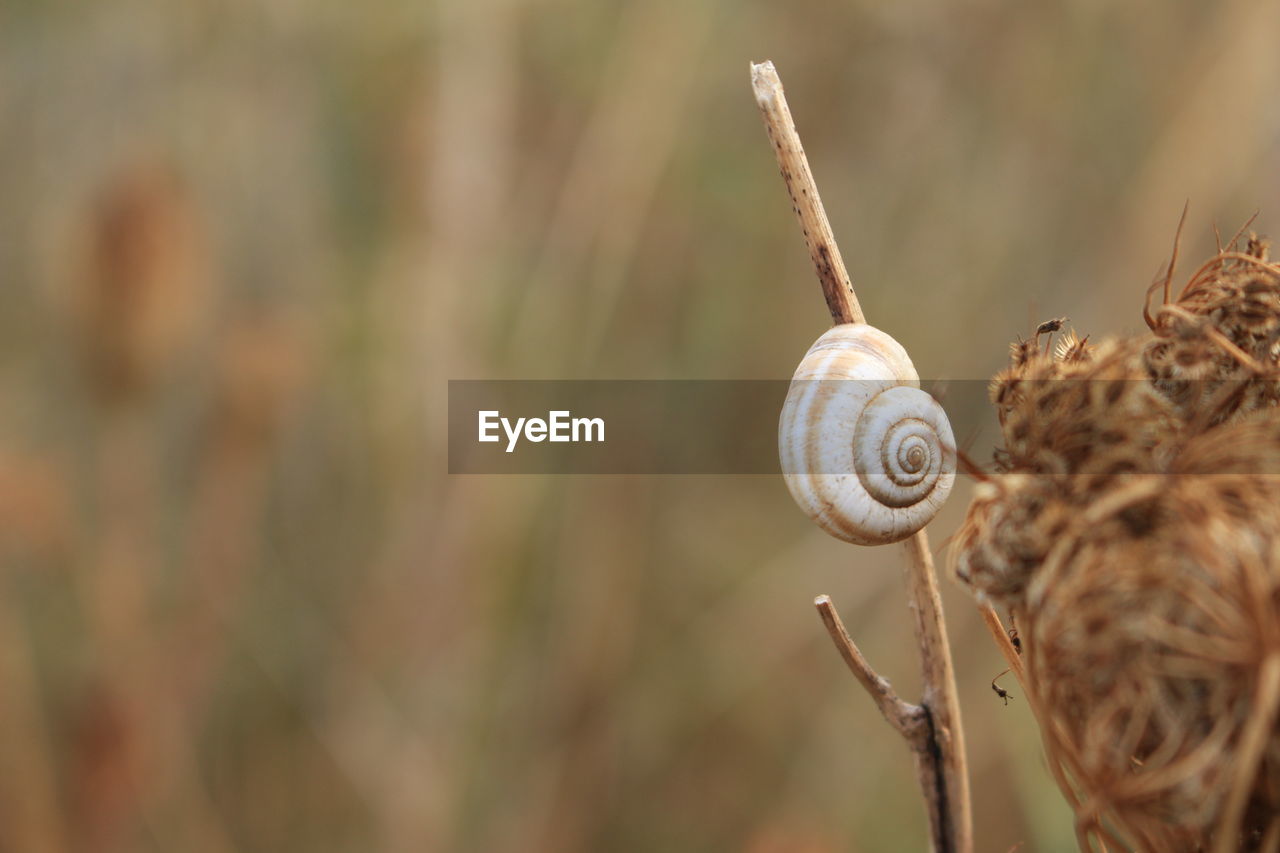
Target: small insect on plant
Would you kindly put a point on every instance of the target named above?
(1000, 691)
(1048, 327)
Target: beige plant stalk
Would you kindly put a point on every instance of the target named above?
(932, 729)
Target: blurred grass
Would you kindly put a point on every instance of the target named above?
(242, 606)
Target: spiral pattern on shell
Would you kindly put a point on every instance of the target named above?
(865, 453)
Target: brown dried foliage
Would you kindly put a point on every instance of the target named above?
(1134, 537)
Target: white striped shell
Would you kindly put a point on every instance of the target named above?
(866, 454)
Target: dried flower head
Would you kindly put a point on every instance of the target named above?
(1134, 535)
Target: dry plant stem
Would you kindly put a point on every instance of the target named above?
(913, 722)
(1173, 260)
(940, 697)
(910, 720)
(1001, 636)
(818, 238)
(939, 755)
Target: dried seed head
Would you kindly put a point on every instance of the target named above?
(1216, 352)
(1135, 535)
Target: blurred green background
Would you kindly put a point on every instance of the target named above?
(243, 246)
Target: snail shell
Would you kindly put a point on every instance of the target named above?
(866, 454)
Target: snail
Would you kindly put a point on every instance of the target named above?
(865, 452)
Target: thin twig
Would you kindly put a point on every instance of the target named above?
(940, 759)
(1001, 636)
(940, 695)
(818, 238)
(914, 722)
(1173, 261)
(1235, 238)
(1013, 657)
(909, 720)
